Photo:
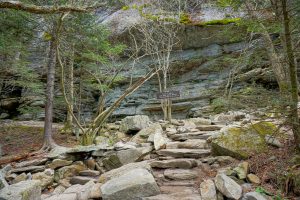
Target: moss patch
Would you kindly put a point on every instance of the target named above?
(220, 22)
(240, 142)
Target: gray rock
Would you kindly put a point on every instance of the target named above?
(83, 191)
(25, 190)
(184, 153)
(242, 170)
(71, 196)
(134, 123)
(175, 163)
(19, 178)
(180, 174)
(3, 182)
(91, 173)
(193, 135)
(46, 178)
(228, 187)
(144, 134)
(132, 185)
(273, 141)
(208, 190)
(253, 196)
(159, 140)
(28, 169)
(81, 180)
(69, 171)
(111, 162)
(122, 170)
(174, 196)
(57, 163)
(188, 144)
(101, 140)
(31, 163)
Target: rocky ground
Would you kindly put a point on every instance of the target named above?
(135, 158)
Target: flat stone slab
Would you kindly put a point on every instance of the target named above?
(174, 163)
(31, 163)
(193, 135)
(81, 180)
(92, 173)
(180, 174)
(184, 153)
(209, 127)
(176, 196)
(28, 169)
(188, 144)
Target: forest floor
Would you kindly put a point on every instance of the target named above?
(26, 137)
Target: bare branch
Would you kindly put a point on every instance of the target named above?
(17, 5)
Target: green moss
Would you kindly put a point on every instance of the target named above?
(239, 143)
(219, 22)
(264, 128)
(185, 18)
(125, 8)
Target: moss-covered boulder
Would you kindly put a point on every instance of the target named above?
(241, 142)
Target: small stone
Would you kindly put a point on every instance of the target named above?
(81, 180)
(242, 170)
(208, 190)
(57, 163)
(91, 173)
(252, 178)
(271, 140)
(90, 163)
(46, 178)
(19, 178)
(159, 140)
(228, 187)
(83, 191)
(253, 196)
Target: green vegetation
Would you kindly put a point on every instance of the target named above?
(219, 22)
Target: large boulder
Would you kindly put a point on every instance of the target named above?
(25, 190)
(228, 187)
(133, 124)
(132, 185)
(241, 142)
(254, 196)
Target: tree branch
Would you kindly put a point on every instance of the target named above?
(17, 5)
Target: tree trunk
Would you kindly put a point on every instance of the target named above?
(48, 140)
(70, 88)
(293, 74)
(278, 68)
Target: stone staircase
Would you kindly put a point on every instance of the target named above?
(177, 167)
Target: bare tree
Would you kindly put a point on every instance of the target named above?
(157, 37)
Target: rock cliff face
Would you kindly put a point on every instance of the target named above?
(198, 66)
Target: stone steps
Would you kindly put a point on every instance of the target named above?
(188, 144)
(183, 163)
(176, 193)
(203, 135)
(184, 153)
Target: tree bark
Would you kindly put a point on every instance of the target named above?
(48, 140)
(293, 74)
